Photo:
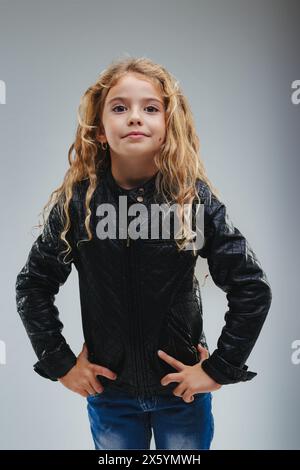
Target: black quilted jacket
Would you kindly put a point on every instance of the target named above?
(138, 296)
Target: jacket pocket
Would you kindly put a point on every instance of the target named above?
(179, 335)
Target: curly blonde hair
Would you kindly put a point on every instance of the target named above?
(178, 160)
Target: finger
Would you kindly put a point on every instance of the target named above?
(84, 350)
(171, 360)
(171, 378)
(96, 385)
(184, 393)
(187, 397)
(180, 391)
(202, 348)
(90, 389)
(101, 370)
(204, 354)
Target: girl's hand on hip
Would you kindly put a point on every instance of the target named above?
(82, 378)
(192, 379)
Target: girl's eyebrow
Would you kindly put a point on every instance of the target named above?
(123, 98)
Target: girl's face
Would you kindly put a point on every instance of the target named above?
(133, 104)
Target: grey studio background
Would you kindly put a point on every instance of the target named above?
(236, 62)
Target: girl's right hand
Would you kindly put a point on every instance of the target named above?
(82, 377)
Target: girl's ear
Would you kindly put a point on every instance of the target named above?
(100, 135)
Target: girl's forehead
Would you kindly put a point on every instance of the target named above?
(129, 84)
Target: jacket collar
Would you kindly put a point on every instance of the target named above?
(139, 193)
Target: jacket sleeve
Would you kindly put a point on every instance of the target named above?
(235, 269)
(36, 286)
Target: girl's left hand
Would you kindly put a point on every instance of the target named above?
(192, 379)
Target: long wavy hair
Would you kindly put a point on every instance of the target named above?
(179, 161)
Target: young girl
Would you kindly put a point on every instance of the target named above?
(144, 364)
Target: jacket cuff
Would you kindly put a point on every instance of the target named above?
(225, 373)
(56, 364)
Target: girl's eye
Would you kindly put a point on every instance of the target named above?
(121, 106)
(153, 108)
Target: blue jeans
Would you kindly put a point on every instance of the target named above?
(120, 421)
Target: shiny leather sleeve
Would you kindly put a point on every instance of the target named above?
(235, 269)
(36, 286)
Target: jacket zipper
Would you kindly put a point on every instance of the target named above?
(141, 384)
